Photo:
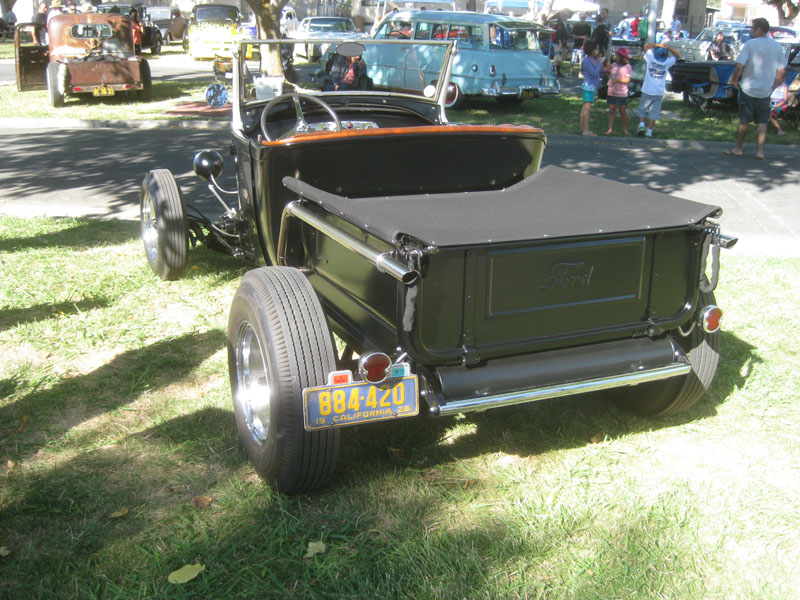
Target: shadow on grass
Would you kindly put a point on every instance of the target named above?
(84, 234)
(529, 429)
(39, 312)
(54, 411)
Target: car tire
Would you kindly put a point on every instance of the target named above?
(278, 344)
(156, 48)
(169, 39)
(185, 42)
(164, 228)
(661, 399)
(146, 93)
(454, 99)
(56, 84)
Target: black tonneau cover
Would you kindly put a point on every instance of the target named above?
(552, 203)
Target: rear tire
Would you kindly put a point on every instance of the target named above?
(165, 232)
(56, 84)
(661, 399)
(278, 344)
(157, 43)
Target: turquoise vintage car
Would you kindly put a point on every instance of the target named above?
(497, 56)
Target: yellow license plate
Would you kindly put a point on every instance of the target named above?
(103, 91)
(354, 403)
(528, 94)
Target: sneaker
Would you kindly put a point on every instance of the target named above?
(648, 134)
(640, 130)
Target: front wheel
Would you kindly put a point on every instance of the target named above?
(165, 232)
(146, 92)
(660, 399)
(278, 344)
(156, 47)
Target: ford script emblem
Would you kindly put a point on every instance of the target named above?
(568, 275)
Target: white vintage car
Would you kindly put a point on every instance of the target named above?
(692, 50)
(322, 28)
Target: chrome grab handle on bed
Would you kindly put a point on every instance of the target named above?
(382, 260)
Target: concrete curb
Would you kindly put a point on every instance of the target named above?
(47, 123)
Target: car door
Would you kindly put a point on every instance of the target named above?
(31, 56)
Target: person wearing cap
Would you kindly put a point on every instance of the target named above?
(619, 75)
(56, 8)
(659, 59)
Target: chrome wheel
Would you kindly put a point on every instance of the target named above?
(253, 384)
(149, 229)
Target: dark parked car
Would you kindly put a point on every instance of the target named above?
(170, 22)
(88, 53)
(151, 34)
(458, 275)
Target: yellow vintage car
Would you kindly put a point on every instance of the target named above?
(213, 31)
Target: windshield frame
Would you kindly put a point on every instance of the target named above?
(240, 60)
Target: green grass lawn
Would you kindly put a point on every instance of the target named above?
(115, 413)
(561, 115)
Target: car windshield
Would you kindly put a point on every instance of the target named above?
(216, 13)
(399, 66)
(512, 38)
(158, 14)
(338, 25)
(123, 9)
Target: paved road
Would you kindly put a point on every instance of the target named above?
(97, 172)
(165, 67)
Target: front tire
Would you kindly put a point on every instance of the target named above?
(157, 43)
(661, 399)
(278, 344)
(165, 232)
(146, 93)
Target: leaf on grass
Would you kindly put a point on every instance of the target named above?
(120, 513)
(177, 488)
(22, 422)
(186, 573)
(469, 483)
(315, 548)
(598, 438)
(202, 501)
(4, 551)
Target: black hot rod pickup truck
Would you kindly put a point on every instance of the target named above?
(458, 275)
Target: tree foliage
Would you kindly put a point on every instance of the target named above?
(787, 9)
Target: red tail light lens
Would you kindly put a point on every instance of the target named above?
(452, 91)
(712, 315)
(374, 367)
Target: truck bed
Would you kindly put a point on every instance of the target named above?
(553, 203)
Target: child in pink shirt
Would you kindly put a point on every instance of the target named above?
(619, 75)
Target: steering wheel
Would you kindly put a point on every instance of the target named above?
(301, 126)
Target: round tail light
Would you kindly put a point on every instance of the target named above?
(710, 318)
(374, 367)
(452, 92)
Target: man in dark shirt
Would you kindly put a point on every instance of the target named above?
(561, 38)
(720, 49)
(581, 32)
(601, 35)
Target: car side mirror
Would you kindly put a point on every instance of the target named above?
(208, 164)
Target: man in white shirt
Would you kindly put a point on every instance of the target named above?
(675, 27)
(760, 68)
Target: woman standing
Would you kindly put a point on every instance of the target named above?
(619, 75)
(591, 68)
(137, 31)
